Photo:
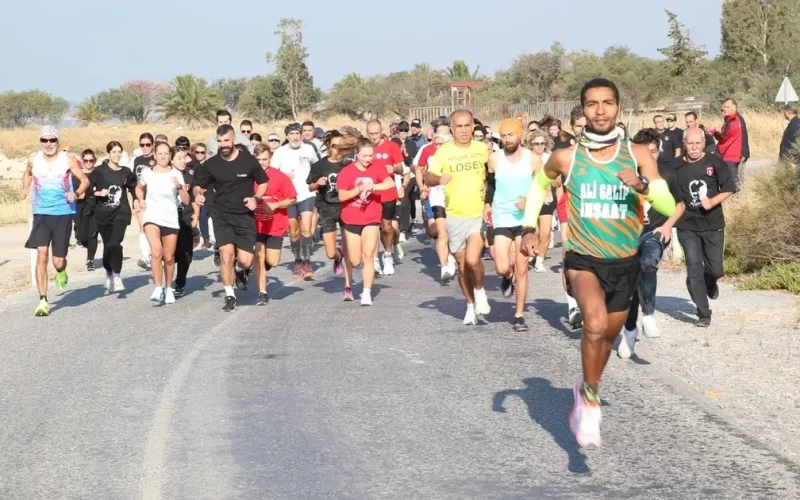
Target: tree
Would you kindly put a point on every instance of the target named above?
(290, 65)
(682, 54)
(264, 98)
(460, 71)
(143, 96)
(90, 111)
(531, 78)
(18, 109)
(348, 96)
(230, 90)
(190, 100)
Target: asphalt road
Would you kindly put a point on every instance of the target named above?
(310, 397)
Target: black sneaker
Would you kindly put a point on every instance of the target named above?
(519, 325)
(703, 322)
(216, 258)
(713, 292)
(241, 280)
(507, 287)
(263, 299)
(230, 304)
(178, 291)
(89, 265)
(575, 318)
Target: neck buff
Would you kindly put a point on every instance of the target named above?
(590, 140)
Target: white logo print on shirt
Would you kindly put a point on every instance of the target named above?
(699, 190)
(114, 196)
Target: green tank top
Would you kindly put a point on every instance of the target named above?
(605, 217)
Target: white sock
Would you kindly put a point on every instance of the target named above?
(571, 303)
(480, 294)
(367, 292)
(470, 308)
(539, 260)
(144, 247)
(229, 291)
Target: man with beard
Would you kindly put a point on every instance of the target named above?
(509, 178)
(231, 174)
(604, 205)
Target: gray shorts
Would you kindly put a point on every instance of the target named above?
(306, 205)
(459, 229)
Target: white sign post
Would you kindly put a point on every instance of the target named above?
(33, 255)
(786, 93)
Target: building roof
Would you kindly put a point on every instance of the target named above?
(472, 84)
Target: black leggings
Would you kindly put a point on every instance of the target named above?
(112, 235)
(184, 252)
(86, 232)
(408, 208)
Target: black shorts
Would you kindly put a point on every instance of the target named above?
(509, 232)
(617, 277)
(271, 242)
(439, 213)
(165, 231)
(548, 209)
(51, 231)
(329, 217)
(352, 228)
(490, 236)
(389, 210)
(238, 230)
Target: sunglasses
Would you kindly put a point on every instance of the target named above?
(45, 141)
(198, 152)
(274, 140)
(247, 131)
(146, 144)
(183, 148)
(88, 160)
(538, 144)
(670, 120)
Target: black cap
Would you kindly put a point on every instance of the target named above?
(416, 122)
(292, 127)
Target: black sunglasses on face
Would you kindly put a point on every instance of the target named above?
(146, 144)
(247, 131)
(539, 144)
(88, 160)
(45, 141)
(198, 152)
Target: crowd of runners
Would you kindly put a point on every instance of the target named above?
(613, 201)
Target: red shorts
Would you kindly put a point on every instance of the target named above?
(561, 208)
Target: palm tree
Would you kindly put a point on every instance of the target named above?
(190, 100)
(460, 71)
(90, 111)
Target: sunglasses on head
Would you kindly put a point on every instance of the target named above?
(146, 144)
(44, 140)
(670, 120)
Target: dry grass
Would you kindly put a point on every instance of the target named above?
(15, 212)
(17, 143)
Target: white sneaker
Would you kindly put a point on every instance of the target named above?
(451, 265)
(627, 343)
(366, 300)
(482, 307)
(158, 295)
(539, 267)
(398, 251)
(388, 264)
(118, 286)
(447, 275)
(169, 296)
(552, 242)
(377, 264)
(585, 418)
(402, 238)
(471, 318)
(650, 327)
(109, 284)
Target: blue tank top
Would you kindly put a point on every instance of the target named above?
(512, 180)
(51, 183)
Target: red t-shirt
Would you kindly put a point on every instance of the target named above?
(356, 211)
(279, 188)
(387, 153)
(427, 152)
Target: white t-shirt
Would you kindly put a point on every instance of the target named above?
(162, 197)
(296, 163)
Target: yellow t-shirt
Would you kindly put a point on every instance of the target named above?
(463, 195)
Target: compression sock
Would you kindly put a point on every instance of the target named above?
(591, 393)
(296, 250)
(306, 244)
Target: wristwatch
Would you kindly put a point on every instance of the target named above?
(645, 183)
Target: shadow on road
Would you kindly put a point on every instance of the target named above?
(679, 308)
(553, 312)
(198, 284)
(81, 296)
(549, 407)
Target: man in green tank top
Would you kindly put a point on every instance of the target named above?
(607, 180)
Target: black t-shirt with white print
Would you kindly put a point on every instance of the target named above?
(142, 162)
(119, 183)
(706, 177)
(328, 194)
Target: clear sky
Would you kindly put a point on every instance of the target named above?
(74, 49)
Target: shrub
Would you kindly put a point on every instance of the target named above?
(785, 276)
(9, 194)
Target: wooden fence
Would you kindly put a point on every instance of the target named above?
(491, 115)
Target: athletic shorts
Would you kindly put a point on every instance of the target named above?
(548, 209)
(617, 277)
(389, 210)
(436, 196)
(459, 229)
(509, 232)
(490, 236)
(51, 231)
(434, 212)
(165, 231)
(352, 228)
(234, 229)
(298, 208)
(329, 217)
(271, 242)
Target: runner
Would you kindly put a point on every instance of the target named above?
(460, 166)
(224, 118)
(359, 186)
(540, 143)
(231, 175)
(509, 177)
(605, 212)
(295, 159)
(110, 187)
(86, 226)
(146, 160)
(188, 220)
(161, 222)
(272, 220)
(323, 179)
(53, 200)
(387, 155)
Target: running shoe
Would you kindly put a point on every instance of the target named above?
(157, 295)
(143, 264)
(263, 299)
(402, 238)
(230, 304)
(650, 327)
(169, 296)
(398, 252)
(388, 264)
(308, 271)
(298, 270)
(61, 280)
(89, 265)
(703, 322)
(539, 267)
(627, 343)
(179, 291)
(552, 242)
(216, 258)
(575, 318)
(348, 294)
(338, 267)
(470, 318)
(507, 287)
(451, 264)
(109, 283)
(447, 275)
(118, 286)
(377, 264)
(366, 300)
(42, 309)
(241, 279)
(485, 255)
(585, 418)
(482, 307)
(519, 325)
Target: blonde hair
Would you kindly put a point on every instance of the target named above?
(261, 148)
(531, 137)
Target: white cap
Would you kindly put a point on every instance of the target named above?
(48, 131)
(273, 137)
